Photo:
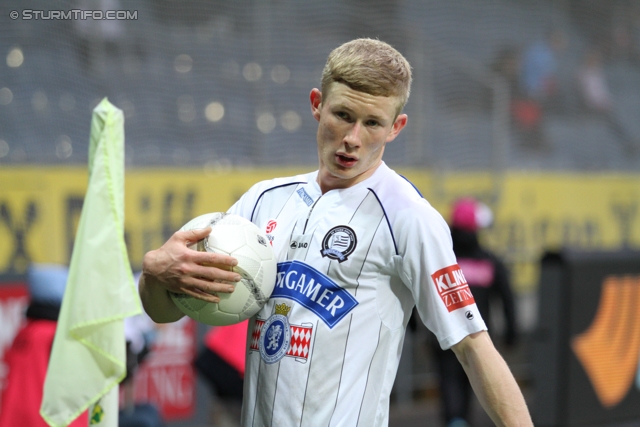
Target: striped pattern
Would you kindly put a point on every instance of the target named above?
(343, 375)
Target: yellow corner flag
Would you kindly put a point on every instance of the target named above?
(88, 356)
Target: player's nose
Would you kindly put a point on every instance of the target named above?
(353, 137)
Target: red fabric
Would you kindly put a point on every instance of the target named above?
(229, 342)
(27, 361)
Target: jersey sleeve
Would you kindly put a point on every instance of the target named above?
(429, 269)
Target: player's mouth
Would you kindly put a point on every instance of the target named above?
(345, 160)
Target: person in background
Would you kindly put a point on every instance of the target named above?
(220, 362)
(539, 72)
(488, 280)
(28, 356)
(539, 87)
(597, 99)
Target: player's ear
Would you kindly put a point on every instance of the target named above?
(398, 125)
(315, 97)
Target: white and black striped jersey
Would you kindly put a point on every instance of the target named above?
(352, 263)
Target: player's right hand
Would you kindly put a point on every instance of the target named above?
(180, 269)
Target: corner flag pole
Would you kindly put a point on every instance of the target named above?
(88, 359)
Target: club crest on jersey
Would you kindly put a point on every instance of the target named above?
(339, 243)
(274, 341)
(275, 335)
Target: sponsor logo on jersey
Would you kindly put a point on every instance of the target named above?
(271, 338)
(313, 290)
(305, 197)
(453, 287)
(339, 243)
(271, 225)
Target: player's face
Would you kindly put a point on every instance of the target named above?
(353, 130)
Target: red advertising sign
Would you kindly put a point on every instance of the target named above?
(14, 298)
(166, 377)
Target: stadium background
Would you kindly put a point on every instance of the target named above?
(215, 97)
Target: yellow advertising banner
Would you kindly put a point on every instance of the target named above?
(534, 212)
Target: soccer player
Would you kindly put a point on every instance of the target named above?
(358, 247)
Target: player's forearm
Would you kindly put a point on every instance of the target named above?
(502, 398)
(156, 301)
(493, 382)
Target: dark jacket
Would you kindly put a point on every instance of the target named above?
(487, 277)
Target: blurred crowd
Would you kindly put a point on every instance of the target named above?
(532, 73)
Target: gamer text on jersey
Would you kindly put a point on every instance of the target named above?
(313, 290)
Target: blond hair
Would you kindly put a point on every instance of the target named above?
(369, 66)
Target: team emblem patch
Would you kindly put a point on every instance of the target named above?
(339, 243)
(275, 335)
(275, 338)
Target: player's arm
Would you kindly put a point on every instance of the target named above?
(175, 268)
(492, 381)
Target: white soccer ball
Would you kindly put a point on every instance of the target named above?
(236, 236)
